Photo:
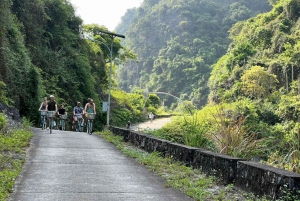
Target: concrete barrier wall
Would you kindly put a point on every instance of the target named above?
(250, 176)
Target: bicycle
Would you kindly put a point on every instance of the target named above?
(43, 119)
(79, 122)
(89, 125)
(51, 115)
(62, 122)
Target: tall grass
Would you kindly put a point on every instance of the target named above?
(12, 155)
(289, 157)
(194, 132)
(232, 138)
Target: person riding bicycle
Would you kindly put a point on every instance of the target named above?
(151, 116)
(51, 106)
(128, 125)
(90, 107)
(76, 111)
(61, 111)
(43, 106)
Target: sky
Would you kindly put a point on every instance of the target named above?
(103, 12)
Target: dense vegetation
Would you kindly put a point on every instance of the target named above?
(260, 75)
(12, 153)
(253, 109)
(177, 42)
(43, 51)
(252, 90)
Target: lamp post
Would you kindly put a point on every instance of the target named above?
(112, 35)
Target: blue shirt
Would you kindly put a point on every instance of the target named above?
(78, 110)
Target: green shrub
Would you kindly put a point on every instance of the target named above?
(3, 121)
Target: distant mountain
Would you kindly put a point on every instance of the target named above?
(178, 41)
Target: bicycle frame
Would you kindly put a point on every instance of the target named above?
(50, 124)
(62, 124)
(79, 122)
(89, 125)
(51, 115)
(44, 122)
(43, 119)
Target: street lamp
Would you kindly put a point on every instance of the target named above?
(112, 35)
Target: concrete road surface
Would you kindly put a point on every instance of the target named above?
(156, 124)
(77, 166)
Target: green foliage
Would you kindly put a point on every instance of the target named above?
(289, 195)
(42, 52)
(190, 36)
(12, 144)
(195, 133)
(128, 107)
(3, 121)
(172, 131)
(261, 72)
(288, 153)
(257, 83)
(153, 100)
(232, 138)
(3, 94)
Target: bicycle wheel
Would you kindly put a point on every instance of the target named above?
(44, 123)
(88, 127)
(91, 127)
(51, 123)
(63, 125)
(79, 125)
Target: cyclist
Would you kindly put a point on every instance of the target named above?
(128, 125)
(151, 116)
(43, 107)
(77, 110)
(90, 107)
(51, 106)
(44, 104)
(61, 111)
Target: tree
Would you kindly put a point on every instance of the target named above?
(258, 83)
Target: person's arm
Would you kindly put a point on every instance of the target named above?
(84, 111)
(41, 106)
(47, 107)
(56, 108)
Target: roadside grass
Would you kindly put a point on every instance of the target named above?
(190, 181)
(13, 144)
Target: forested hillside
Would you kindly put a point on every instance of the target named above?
(254, 102)
(43, 52)
(259, 77)
(177, 42)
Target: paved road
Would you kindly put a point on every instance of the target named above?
(76, 166)
(156, 124)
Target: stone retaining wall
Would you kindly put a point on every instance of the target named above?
(266, 180)
(250, 176)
